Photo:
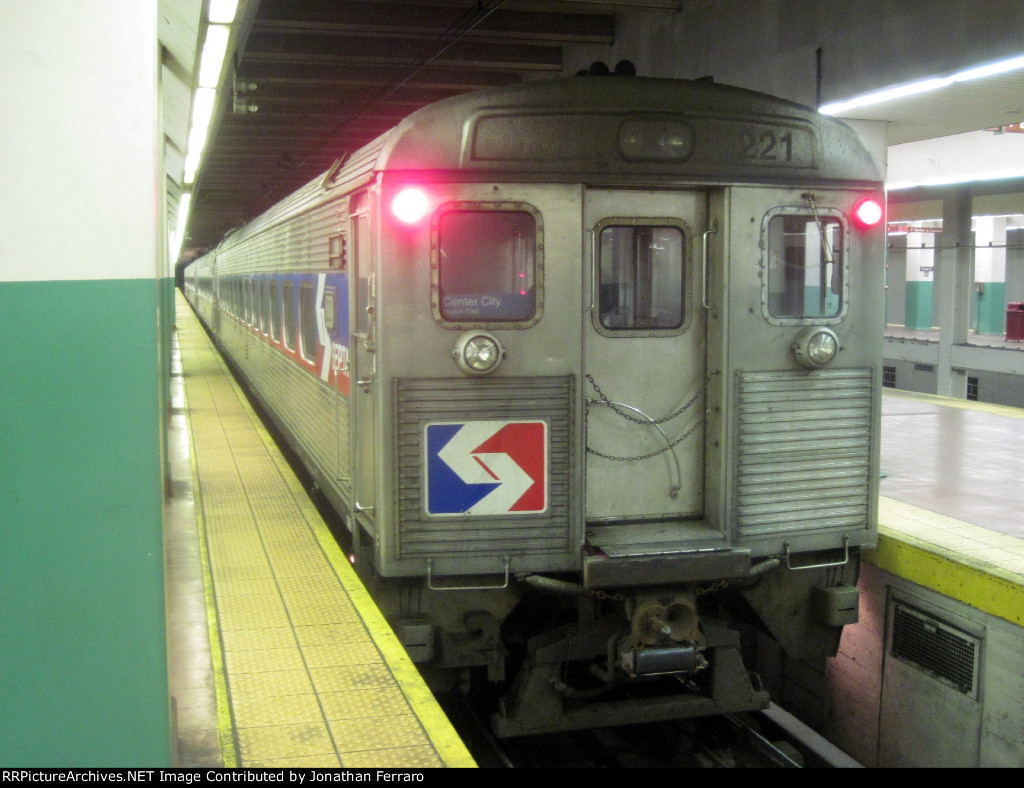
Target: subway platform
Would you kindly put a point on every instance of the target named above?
(278, 656)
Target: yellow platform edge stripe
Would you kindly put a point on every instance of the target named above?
(450, 747)
(953, 402)
(979, 584)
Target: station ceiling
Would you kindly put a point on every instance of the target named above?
(316, 78)
(313, 79)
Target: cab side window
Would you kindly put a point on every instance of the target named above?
(487, 267)
(805, 266)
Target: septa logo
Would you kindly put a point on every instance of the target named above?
(487, 467)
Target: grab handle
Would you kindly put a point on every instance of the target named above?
(506, 560)
(707, 270)
(846, 557)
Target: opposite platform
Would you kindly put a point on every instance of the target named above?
(950, 516)
(306, 671)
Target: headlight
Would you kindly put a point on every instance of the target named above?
(816, 347)
(477, 353)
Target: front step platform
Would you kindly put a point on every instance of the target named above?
(662, 552)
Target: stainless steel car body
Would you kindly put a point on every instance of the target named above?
(650, 345)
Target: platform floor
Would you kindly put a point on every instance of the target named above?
(279, 658)
(961, 458)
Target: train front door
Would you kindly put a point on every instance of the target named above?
(644, 360)
(363, 374)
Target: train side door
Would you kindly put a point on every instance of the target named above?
(363, 409)
(644, 356)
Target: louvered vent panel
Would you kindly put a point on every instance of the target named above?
(424, 401)
(936, 647)
(804, 449)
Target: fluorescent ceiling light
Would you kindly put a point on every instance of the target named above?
(202, 113)
(922, 86)
(184, 205)
(222, 12)
(191, 167)
(213, 55)
(992, 176)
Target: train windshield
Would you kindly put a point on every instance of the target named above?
(641, 277)
(487, 265)
(805, 266)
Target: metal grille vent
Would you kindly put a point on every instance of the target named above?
(936, 647)
(804, 451)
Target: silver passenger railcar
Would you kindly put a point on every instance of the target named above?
(591, 369)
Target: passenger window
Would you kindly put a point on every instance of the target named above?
(330, 307)
(265, 299)
(487, 265)
(275, 312)
(805, 266)
(641, 277)
(289, 315)
(307, 321)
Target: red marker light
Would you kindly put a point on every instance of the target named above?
(410, 205)
(868, 212)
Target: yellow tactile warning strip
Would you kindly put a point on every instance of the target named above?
(979, 567)
(312, 675)
(964, 404)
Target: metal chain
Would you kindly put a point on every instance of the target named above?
(613, 406)
(649, 423)
(717, 586)
(662, 450)
(605, 595)
(713, 587)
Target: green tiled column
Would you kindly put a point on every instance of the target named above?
(83, 371)
(920, 281)
(81, 558)
(991, 306)
(918, 305)
(990, 274)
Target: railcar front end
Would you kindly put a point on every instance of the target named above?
(592, 369)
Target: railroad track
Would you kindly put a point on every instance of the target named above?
(733, 741)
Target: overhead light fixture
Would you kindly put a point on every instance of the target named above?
(220, 15)
(184, 205)
(222, 12)
(950, 181)
(212, 61)
(922, 86)
(202, 114)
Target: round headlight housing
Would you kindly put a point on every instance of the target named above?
(478, 353)
(816, 347)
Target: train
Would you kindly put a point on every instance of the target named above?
(589, 369)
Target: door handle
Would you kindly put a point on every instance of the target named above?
(707, 270)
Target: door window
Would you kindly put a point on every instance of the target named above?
(641, 282)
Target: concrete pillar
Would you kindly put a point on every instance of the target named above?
(82, 281)
(919, 292)
(953, 289)
(990, 274)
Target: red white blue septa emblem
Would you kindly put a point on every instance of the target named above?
(487, 467)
